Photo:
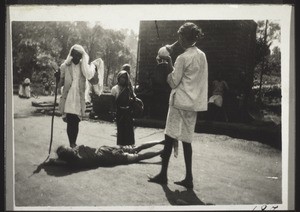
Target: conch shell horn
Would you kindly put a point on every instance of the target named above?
(165, 51)
(171, 47)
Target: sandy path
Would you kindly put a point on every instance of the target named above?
(227, 171)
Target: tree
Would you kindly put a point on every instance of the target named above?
(115, 53)
(35, 48)
(131, 41)
(26, 57)
(95, 42)
(274, 61)
(63, 32)
(267, 32)
(38, 45)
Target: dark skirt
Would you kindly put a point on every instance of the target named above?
(125, 134)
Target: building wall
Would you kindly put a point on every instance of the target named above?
(229, 46)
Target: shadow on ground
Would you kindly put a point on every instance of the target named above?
(63, 170)
(187, 197)
(59, 171)
(28, 115)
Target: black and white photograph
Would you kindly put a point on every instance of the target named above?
(150, 107)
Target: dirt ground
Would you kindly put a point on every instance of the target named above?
(227, 171)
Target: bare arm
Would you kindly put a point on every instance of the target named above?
(55, 162)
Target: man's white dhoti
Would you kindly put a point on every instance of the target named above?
(181, 124)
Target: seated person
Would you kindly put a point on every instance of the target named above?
(24, 89)
(215, 102)
(83, 156)
(219, 87)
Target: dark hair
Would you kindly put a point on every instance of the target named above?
(190, 31)
(65, 153)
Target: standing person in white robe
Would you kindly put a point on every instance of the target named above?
(189, 83)
(73, 75)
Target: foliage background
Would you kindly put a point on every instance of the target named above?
(267, 72)
(40, 47)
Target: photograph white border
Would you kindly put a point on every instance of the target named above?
(283, 13)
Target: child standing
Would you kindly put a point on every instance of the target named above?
(123, 93)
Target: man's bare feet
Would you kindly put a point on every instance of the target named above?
(185, 183)
(158, 179)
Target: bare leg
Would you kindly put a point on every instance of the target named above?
(162, 178)
(148, 155)
(148, 145)
(187, 149)
(188, 181)
(72, 128)
(72, 131)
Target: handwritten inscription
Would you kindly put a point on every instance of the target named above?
(264, 208)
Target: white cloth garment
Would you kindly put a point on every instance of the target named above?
(189, 81)
(219, 87)
(115, 91)
(73, 79)
(189, 94)
(217, 100)
(97, 88)
(180, 124)
(72, 104)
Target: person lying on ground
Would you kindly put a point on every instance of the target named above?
(84, 156)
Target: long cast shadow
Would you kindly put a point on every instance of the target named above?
(59, 171)
(187, 197)
(64, 170)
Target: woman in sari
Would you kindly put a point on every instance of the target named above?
(123, 93)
